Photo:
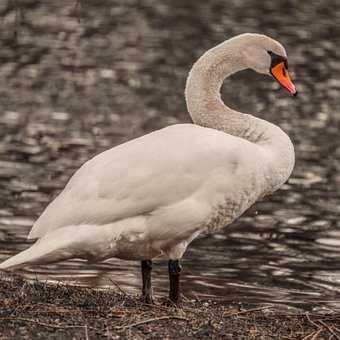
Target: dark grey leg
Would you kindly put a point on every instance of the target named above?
(175, 269)
(146, 275)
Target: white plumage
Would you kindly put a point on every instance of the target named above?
(149, 196)
(153, 195)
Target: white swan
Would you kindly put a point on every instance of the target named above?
(155, 194)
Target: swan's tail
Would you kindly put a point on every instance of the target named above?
(50, 248)
(17, 261)
(80, 241)
(38, 253)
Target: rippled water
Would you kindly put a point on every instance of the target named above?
(69, 90)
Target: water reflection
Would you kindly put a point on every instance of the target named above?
(70, 90)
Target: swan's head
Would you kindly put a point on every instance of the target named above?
(266, 55)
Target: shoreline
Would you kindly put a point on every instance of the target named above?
(38, 310)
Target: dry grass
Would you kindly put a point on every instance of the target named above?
(35, 310)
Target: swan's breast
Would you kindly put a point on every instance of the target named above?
(226, 211)
(243, 187)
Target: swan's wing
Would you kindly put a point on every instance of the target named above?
(140, 176)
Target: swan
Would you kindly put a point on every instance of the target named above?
(153, 195)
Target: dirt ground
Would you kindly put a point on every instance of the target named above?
(36, 310)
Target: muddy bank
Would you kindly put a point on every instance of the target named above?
(36, 310)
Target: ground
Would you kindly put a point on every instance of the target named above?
(36, 310)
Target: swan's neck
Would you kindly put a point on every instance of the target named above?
(207, 108)
(204, 100)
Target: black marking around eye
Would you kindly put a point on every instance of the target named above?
(277, 59)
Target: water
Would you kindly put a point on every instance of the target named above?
(69, 90)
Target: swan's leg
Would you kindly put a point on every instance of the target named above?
(175, 269)
(147, 287)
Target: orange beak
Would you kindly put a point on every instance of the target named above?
(280, 73)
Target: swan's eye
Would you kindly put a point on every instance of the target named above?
(277, 59)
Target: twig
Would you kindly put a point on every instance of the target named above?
(118, 286)
(47, 324)
(86, 333)
(196, 297)
(152, 320)
(309, 335)
(185, 298)
(329, 329)
(312, 322)
(166, 309)
(248, 311)
(173, 304)
(316, 334)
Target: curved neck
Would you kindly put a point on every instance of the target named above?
(204, 101)
(207, 109)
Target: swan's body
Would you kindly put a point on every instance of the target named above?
(155, 194)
